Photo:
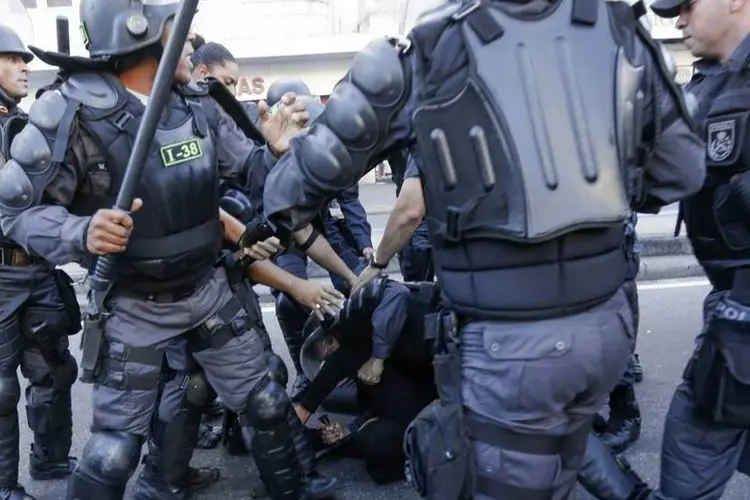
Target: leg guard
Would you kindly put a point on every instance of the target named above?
(50, 417)
(606, 477)
(108, 461)
(303, 447)
(265, 424)
(277, 370)
(10, 393)
(176, 435)
(292, 317)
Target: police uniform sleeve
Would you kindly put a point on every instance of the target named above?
(238, 155)
(36, 191)
(367, 117)
(389, 318)
(674, 165)
(356, 217)
(412, 168)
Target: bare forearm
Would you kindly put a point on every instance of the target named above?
(322, 253)
(233, 228)
(267, 273)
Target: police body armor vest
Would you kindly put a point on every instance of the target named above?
(524, 184)
(177, 234)
(12, 122)
(716, 217)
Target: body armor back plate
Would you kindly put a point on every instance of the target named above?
(523, 153)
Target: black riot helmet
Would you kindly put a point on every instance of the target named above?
(112, 28)
(10, 43)
(281, 87)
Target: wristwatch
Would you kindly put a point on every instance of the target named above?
(375, 264)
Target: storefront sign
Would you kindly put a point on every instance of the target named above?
(251, 87)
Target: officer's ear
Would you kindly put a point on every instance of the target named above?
(202, 70)
(737, 5)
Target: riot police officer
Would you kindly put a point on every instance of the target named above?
(708, 418)
(526, 214)
(348, 232)
(38, 310)
(168, 299)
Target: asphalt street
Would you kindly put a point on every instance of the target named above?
(670, 319)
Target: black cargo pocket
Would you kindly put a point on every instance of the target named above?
(440, 460)
(70, 301)
(100, 180)
(720, 374)
(731, 205)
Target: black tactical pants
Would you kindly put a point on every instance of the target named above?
(34, 328)
(698, 457)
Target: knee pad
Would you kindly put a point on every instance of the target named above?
(10, 394)
(277, 370)
(111, 457)
(65, 376)
(267, 406)
(199, 391)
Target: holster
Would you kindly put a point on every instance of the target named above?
(719, 373)
(440, 460)
(92, 343)
(243, 291)
(70, 301)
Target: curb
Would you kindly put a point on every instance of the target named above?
(662, 257)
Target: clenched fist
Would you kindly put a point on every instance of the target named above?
(109, 230)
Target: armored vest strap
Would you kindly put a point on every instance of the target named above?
(488, 29)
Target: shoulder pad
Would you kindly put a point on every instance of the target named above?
(31, 150)
(16, 189)
(47, 112)
(378, 71)
(95, 90)
(52, 120)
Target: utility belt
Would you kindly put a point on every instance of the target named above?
(104, 365)
(719, 373)
(14, 256)
(438, 443)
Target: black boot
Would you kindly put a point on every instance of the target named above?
(624, 425)
(214, 409)
(15, 493)
(44, 466)
(152, 486)
(606, 477)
